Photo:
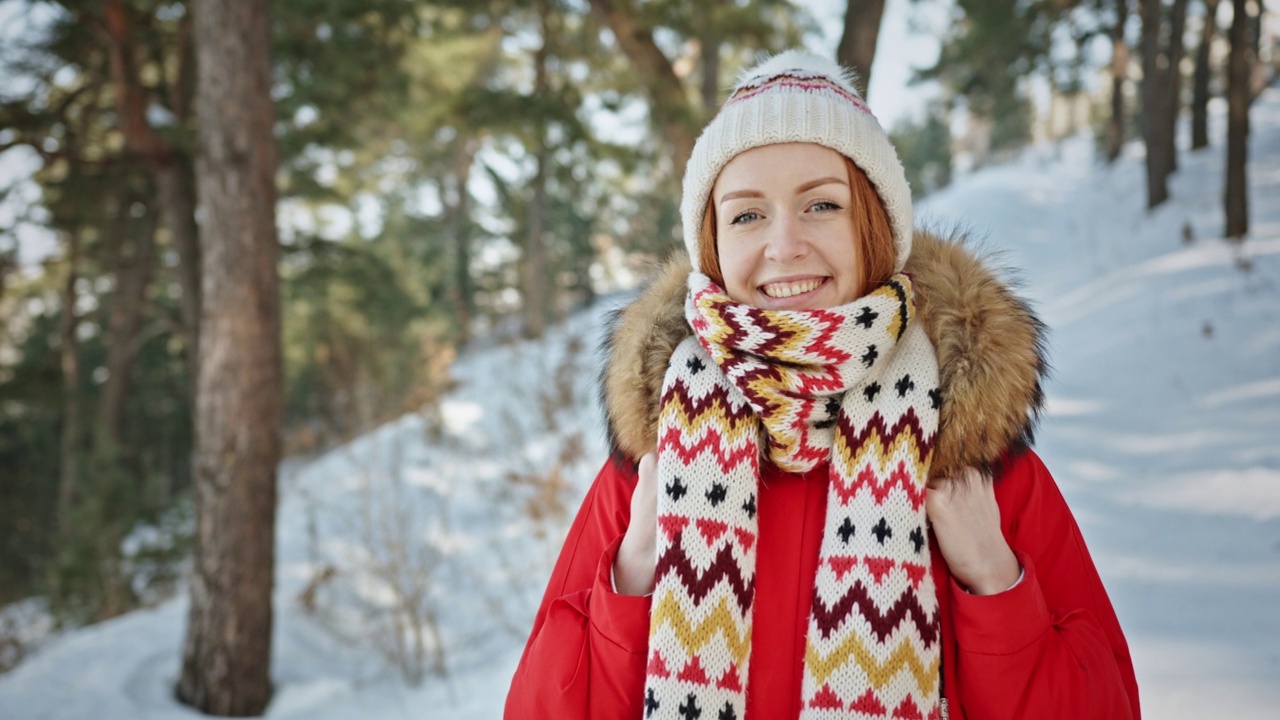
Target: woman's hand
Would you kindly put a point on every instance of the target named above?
(966, 521)
(633, 568)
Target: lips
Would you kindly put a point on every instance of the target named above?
(791, 288)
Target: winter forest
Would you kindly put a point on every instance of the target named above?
(301, 305)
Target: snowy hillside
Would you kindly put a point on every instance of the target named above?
(1163, 431)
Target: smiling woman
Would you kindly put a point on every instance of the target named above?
(821, 501)
(802, 228)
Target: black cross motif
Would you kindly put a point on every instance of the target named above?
(882, 531)
(869, 357)
(650, 703)
(750, 507)
(695, 365)
(871, 391)
(866, 316)
(904, 384)
(846, 530)
(833, 410)
(690, 709)
(917, 538)
(717, 494)
(727, 713)
(935, 397)
(676, 489)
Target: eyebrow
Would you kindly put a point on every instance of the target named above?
(736, 194)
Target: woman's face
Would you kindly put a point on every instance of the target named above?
(784, 228)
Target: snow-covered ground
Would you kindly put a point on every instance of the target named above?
(1163, 430)
(1163, 426)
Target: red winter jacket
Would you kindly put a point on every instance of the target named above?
(1050, 647)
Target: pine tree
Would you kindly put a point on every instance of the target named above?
(1119, 68)
(1201, 79)
(857, 47)
(227, 652)
(1239, 75)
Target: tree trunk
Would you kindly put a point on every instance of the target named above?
(534, 297)
(239, 399)
(857, 47)
(8, 264)
(1236, 200)
(1154, 104)
(1119, 66)
(174, 193)
(1178, 27)
(131, 102)
(133, 268)
(1200, 83)
(1259, 77)
(534, 290)
(463, 292)
(669, 108)
(176, 198)
(69, 360)
(710, 43)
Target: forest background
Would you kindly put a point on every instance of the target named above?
(449, 175)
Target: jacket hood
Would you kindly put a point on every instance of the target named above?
(990, 346)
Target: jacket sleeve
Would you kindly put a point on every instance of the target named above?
(1050, 647)
(585, 658)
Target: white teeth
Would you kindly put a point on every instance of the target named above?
(787, 289)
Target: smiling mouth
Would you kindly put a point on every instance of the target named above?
(790, 289)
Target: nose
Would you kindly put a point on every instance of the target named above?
(786, 240)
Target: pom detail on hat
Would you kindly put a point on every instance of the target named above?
(796, 97)
(796, 61)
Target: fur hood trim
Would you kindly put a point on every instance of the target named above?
(990, 345)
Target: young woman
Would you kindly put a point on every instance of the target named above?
(821, 503)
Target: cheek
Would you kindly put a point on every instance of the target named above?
(839, 251)
(850, 267)
(735, 266)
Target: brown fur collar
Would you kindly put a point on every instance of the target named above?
(990, 349)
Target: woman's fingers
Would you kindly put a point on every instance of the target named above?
(965, 518)
(634, 565)
(645, 497)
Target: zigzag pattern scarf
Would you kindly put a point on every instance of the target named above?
(855, 385)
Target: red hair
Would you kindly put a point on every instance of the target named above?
(871, 231)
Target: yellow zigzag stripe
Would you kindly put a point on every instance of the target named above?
(718, 328)
(732, 430)
(798, 334)
(801, 334)
(873, 450)
(693, 638)
(878, 673)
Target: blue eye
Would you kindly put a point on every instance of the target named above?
(745, 217)
(824, 206)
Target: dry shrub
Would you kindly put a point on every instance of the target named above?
(543, 494)
(435, 383)
(12, 649)
(321, 577)
(384, 594)
(560, 395)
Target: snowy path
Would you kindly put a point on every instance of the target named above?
(1164, 412)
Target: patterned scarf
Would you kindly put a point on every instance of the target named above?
(855, 385)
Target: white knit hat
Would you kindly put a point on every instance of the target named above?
(801, 98)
